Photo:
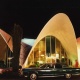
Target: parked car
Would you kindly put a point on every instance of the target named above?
(5, 70)
(49, 70)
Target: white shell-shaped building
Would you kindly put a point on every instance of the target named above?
(61, 28)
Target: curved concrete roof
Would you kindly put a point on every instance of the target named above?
(5, 41)
(60, 27)
(7, 38)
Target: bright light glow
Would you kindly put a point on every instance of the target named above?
(53, 57)
(62, 56)
(42, 55)
(28, 41)
(40, 62)
(9, 58)
(39, 51)
(57, 56)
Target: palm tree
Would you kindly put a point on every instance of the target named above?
(17, 36)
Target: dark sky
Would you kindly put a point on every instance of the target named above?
(33, 15)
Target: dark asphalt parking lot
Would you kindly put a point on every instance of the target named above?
(14, 76)
(22, 78)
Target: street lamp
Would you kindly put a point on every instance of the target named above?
(9, 58)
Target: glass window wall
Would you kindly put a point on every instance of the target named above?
(48, 50)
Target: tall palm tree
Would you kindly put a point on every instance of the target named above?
(17, 36)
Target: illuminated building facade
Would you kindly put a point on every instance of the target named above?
(56, 40)
(47, 51)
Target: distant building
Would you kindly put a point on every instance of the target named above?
(26, 45)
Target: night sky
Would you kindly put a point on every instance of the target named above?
(33, 15)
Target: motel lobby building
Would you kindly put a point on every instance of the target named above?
(57, 40)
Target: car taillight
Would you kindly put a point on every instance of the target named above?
(2, 71)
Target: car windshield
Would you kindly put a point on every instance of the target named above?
(47, 66)
(31, 66)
